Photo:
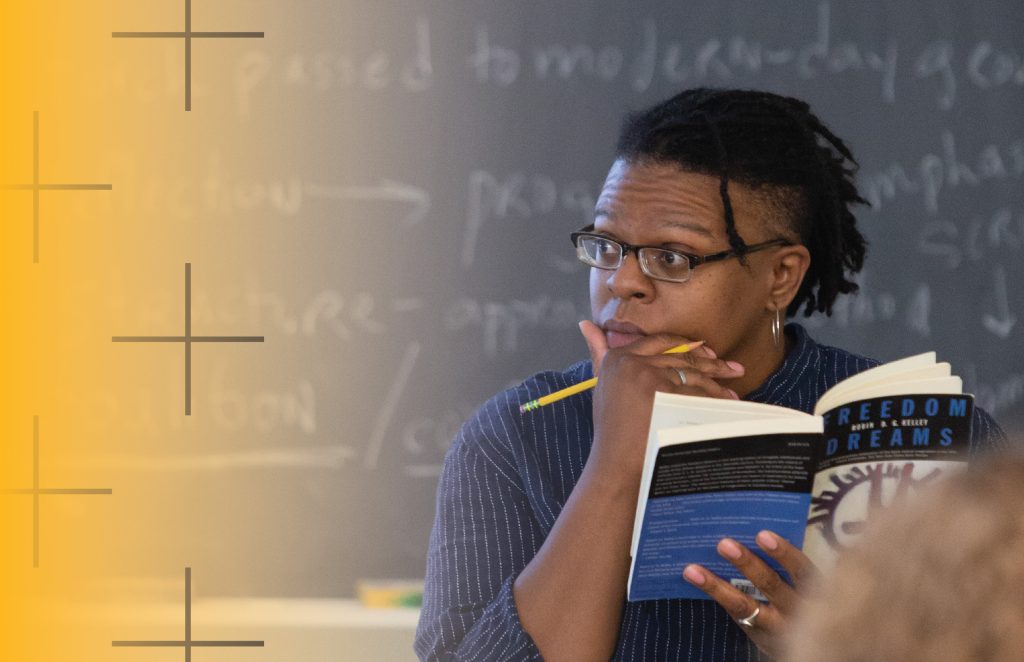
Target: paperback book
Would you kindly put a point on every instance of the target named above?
(724, 468)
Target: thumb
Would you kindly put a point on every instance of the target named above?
(596, 343)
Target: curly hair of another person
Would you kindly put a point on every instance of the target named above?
(940, 578)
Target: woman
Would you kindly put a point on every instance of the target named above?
(723, 213)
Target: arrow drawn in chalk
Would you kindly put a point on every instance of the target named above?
(386, 191)
(1002, 324)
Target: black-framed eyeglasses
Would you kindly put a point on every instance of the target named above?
(603, 252)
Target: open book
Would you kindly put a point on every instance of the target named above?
(724, 468)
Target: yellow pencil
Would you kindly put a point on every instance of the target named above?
(589, 383)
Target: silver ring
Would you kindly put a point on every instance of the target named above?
(682, 375)
(750, 621)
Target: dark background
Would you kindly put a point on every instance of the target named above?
(412, 222)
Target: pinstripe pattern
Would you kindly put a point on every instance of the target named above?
(506, 478)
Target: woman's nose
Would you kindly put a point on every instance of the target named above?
(629, 280)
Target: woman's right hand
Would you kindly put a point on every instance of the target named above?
(627, 379)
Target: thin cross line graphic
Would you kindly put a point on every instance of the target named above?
(36, 186)
(188, 643)
(188, 339)
(188, 35)
(36, 491)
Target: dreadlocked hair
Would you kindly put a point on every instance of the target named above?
(776, 146)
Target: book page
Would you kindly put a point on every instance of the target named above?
(672, 410)
(707, 483)
(844, 392)
(894, 387)
(890, 370)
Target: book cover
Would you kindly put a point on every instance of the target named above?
(720, 468)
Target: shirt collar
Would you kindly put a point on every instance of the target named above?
(782, 384)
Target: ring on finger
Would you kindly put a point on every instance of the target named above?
(682, 375)
(750, 621)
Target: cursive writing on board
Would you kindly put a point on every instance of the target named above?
(942, 171)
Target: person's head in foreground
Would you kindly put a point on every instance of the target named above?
(941, 578)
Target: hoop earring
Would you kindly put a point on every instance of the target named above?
(777, 328)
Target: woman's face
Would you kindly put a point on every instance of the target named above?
(724, 303)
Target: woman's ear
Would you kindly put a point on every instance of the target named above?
(789, 265)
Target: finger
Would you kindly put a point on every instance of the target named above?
(702, 385)
(658, 343)
(697, 383)
(715, 368)
(800, 568)
(778, 591)
(736, 603)
(596, 341)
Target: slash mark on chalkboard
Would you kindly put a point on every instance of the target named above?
(387, 410)
(1000, 324)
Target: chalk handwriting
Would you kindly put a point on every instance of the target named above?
(819, 53)
(1002, 322)
(520, 196)
(946, 170)
(386, 413)
(216, 192)
(154, 408)
(502, 322)
(386, 191)
(654, 58)
(987, 67)
(872, 306)
(430, 436)
(994, 396)
(330, 313)
(326, 458)
(990, 66)
(264, 411)
(972, 239)
(325, 71)
(646, 55)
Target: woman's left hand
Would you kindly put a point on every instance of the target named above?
(783, 598)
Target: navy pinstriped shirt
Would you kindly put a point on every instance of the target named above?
(504, 482)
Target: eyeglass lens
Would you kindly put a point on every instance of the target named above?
(608, 254)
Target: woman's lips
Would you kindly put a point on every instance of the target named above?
(620, 333)
(620, 339)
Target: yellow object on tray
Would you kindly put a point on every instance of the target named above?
(390, 593)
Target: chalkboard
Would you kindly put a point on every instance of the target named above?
(388, 203)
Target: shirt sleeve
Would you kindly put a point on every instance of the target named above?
(484, 534)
